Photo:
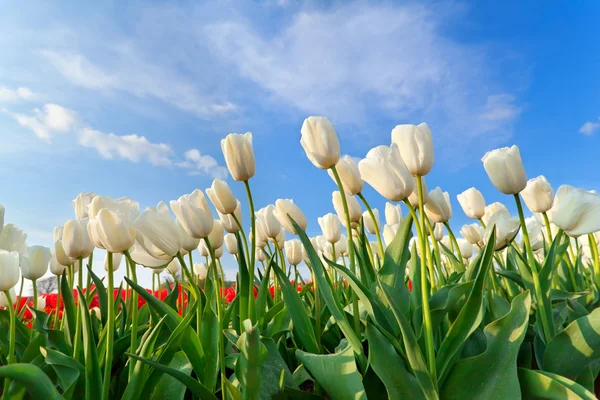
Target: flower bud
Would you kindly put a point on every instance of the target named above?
(389, 233)
(349, 175)
(416, 147)
(239, 155)
(576, 211)
(200, 271)
(538, 195)
(188, 243)
(110, 231)
(80, 205)
(61, 257)
(76, 239)
(438, 232)
(12, 238)
(34, 262)
(505, 169)
(507, 228)
(472, 203)
(267, 223)
(117, 258)
(466, 248)
(371, 226)
(55, 267)
(353, 207)
(438, 206)
(472, 233)
(221, 196)
(393, 214)
(231, 244)
(283, 207)
(216, 237)
(228, 221)
(194, 214)
(260, 254)
(293, 251)
(491, 209)
(9, 269)
(320, 142)
(385, 171)
(331, 228)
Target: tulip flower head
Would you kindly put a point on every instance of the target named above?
(117, 258)
(222, 197)
(385, 171)
(506, 227)
(491, 209)
(200, 271)
(231, 244)
(81, 204)
(216, 236)
(416, 147)
(12, 238)
(188, 243)
(320, 142)
(228, 220)
(438, 207)
(472, 203)
(505, 169)
(353, 208)
(331, 227)
(576, 211)
(473, 233)
(393, 214)
(158, 233)
(413, 199)
(466, 248)
(9, 269)
(389, 233)
(267, 223)
(111, 231)
(293, 251)
(438, 232)
(55, 267)
(34, 262)
(239, 155)
(194, 214)
(349, 175)
(371, 226)
(76, 239)
(538, 195)
(285, 207)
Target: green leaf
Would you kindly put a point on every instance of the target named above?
(272, 369)
(168, 387)
(390, 367)
(193, 385)
(102, 295)
(69, 307)
(471, 314)
(67, 369)
(248, 368)
(300, 317)
(573, 350)
(538, 386)
(36, 382)
(263, 292)
(574, 386)
(493, 374)
(93, 376)
(336, 373)
(210, 344)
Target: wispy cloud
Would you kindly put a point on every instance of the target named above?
(50, 120)
(19, 94)
(201, 164)
(590, 127)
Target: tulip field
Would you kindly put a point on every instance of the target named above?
(402, 305)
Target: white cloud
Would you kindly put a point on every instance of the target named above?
(129, 147)
(202, 164)
(589, 128)
(45, 123)
(500, 107)
(19, 94)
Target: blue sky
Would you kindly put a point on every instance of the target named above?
(134, 100)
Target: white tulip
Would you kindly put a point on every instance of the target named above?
(413, 199)
(57, 233)
(239, 155)
(141, 256)
(228, 220)
(446, 241)
(110, 231)
(472, 233)
(438, 232)
(200, 271)
(438, 207)
(389, 233)
(279, 239)
(491, 209)
(353, 208)
(12, 238)
(320, 142)
(538, 194)
(472, 203)
(4, 300)
(188, 243)
(9, 269)
(371, 226)
(76, 239)
(55, 267)
(267, 222)
(127, 209)
(393, 214)
(219, 252)
(216, 236)
(260, 255)
(466, 248)
(416, 147)
(534, 230)
(222, 197)
(174, 266)
(349, 175)
(505, 169)
(34, 262)
(507, 228)
(194, 214)
(62, 257)
(203, 250)
(81, 203)
(385, 171)
(341, 247)
(283, 207)
(158, 233)
(231, 244)
(117, 258)
(331, 227)
(293, 251)
(576, 211)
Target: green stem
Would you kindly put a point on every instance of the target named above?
(110, 330)
(243, 235)
(548, 230)
(78, 343)
(547, 322)
(375, 224)
(482, 223)
(35, 293)
(12, 337)
(134, 314)
(253, 252)
(436, 251)
(595, 257)
(352, 260)
(429, 343)
(453, 239)
(55, 325)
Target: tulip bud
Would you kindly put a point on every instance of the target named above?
(12, 238)
(413, 199)
(216, 237)
(228, 221)
(34, 262)
(491, 210)
(174, 266)
(505, 169)
(267, 222)
(534, 230)
(76, 239)
(231, 244)
(416, 147)
(576, 211)
(221, 196)
(293, 251)
(283, 207)
(202, 249)
(349, 175)
(331, 228)
(80, 205)
(466, 248)
(111, 232)
(341, 247)
(194, 214)
(538, 195)
(389, 233)
(472, 233)
(371, 226)
(55, 267)
(158, 233)
(507, 228)
(438, 207)
(320, 142)
(188, 243)
(385, 171)
(61, 257)
(260, 255)
(438, 232)
(9, 269)
(219, 252)
(353, 207)
(4, 300)
(116, 261)
(393, 214)
(95, 311)
(200, 271)
(239, 155)
(280, 239)
(127, 209)
(472, 203)
(445, 241)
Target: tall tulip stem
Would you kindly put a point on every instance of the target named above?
(110, 330)
(253, 251)
(12, 337)
(243, 235)
(547, 322)
(453, 238)
(595, 257)
(375, 224)
(355, 309)
(429, 343)
(548, 230)
(134, 313)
